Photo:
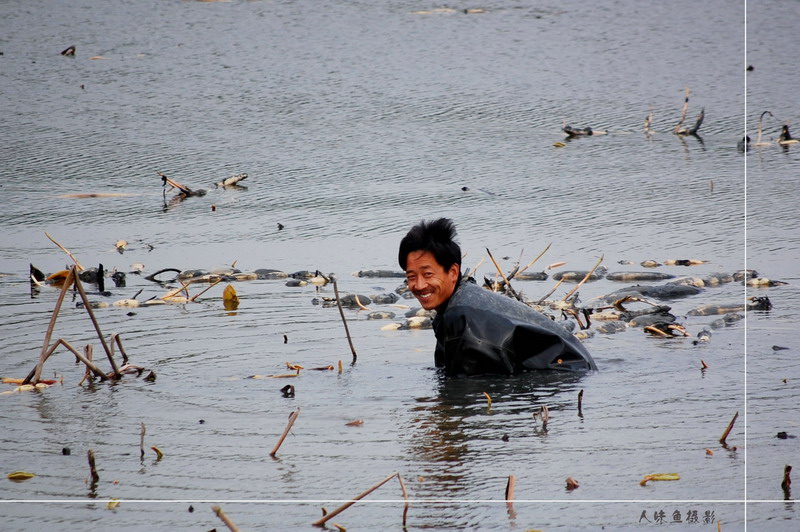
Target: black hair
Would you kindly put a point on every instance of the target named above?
(438, 237)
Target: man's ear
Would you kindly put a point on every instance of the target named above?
(454, 270)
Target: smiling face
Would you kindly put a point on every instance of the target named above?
(430, 283)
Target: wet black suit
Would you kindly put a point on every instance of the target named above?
(480, 332)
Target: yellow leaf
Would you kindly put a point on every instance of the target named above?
(20, 475)
(660, 476)
(159, 454)
(488, 399)
(113, 503)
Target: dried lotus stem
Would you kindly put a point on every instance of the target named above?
(345, 506)
(292, 419)
(728, 430)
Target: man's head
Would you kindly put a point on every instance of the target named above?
(432, 261)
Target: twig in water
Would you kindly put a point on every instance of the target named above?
(473, 271)
(141, 442)
(787, 483)
(37, 374)
(580, 403)
(215, 283)
(344, 321)
(678, 126)
(544, 415)
(585, 278)
(345, 506)
(758, 137)
(225, 519)
(548, 294)
(89, 364)
(508, 285)
(115, 339)
(65, 250)
(87, 305)
(512, 482)
(92, 468)
(728, 430)
(531, 263)
(152, 276)
(88, 353)
(358, 302)
(405, 498)
(292, 419)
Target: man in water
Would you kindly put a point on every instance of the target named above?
(478, 331)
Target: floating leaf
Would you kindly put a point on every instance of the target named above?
(660, 476)
(113, 503)
(20, 476)
(356, 423)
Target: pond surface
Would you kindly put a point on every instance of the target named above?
(354, 120)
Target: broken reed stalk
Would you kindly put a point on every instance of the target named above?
(115, 339)
(344, 321)
(787, 482)
(89, 364)
(65, 250)
(471, 273)
(92, 467)
(37, 374)
(545, 417)
(580, 402)
(88, 353)
(405, 498)
(225, 519)
(87, 305)
(292, 419)
(49, 352)
(215, 283)
(141, 441)
(728, 430)
(585, 278)
(508, 284)
(760, 119)
(548, 294)
(345, 506)
(176, 291)
(683, 112)
(512, 483)
(531, 263)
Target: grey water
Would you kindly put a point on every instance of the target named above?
(353, 121)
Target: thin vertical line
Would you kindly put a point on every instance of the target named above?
(744, 295)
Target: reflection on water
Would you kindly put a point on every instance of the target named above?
(450, 426)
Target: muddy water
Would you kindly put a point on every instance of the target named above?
(353, 121)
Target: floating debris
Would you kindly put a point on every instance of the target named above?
(659, 477)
